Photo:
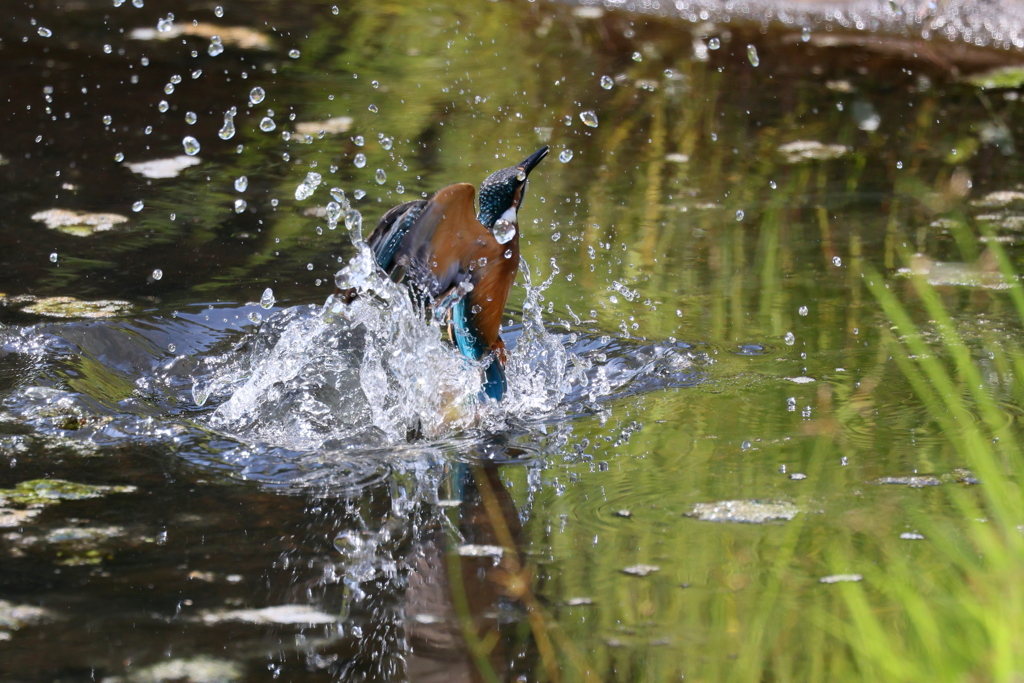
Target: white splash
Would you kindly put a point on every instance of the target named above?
(377, 370)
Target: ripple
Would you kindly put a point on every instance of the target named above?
(752, 349)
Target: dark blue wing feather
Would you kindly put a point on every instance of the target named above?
(391, 230)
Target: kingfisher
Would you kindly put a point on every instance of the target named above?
(460, 263)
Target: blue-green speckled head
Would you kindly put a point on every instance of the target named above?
(505, 188)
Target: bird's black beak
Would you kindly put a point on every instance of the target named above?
(529, 162)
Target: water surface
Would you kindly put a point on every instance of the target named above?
(715, 462)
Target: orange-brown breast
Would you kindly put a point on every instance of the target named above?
(461, 238)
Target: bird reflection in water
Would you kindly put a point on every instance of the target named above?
(470, 609)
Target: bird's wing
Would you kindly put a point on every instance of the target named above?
(444, 239)
(391, 228)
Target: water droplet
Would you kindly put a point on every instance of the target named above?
(607, 82)
(175, 79)
(241, 183)
(165, 25)
(267, 124)
(866, 116)
(215, 47)
(294, 54)
(334, 10)
(53, 257)
(359, 194)
(138, 3)
(240, 205)
(358, 141)
(45, 32)
(637, 57)
(359, 160)
(386, 142)
(504, 230)
(196, 74)
(256, 95)
(771, 184)
(752, 56)
(157, 274)
(333, 213)
(191, 145)
(588, 118)
(227, 131)
(745, 445)
(308, 186)
(218, 11)
(119, 157)
(565, 156)
(107, 49)
(256, 317)
(108, 119)
(790, 339)
(508, 253)
(309, 266)
(714, 44)
(138, 206)
(802, 310)
(836, 261)
(200, 393)
(163, 106)
(805, 34)
(267, 300)
(739, 214)
(190, 117)
(375, 84)
(171, 348)
(899, 164)
(354, 225)
(380, 176)
(169, 89)
(399, 189)
(373, 108)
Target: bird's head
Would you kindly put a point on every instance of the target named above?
(501, 194)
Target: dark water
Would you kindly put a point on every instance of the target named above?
(700, 324)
